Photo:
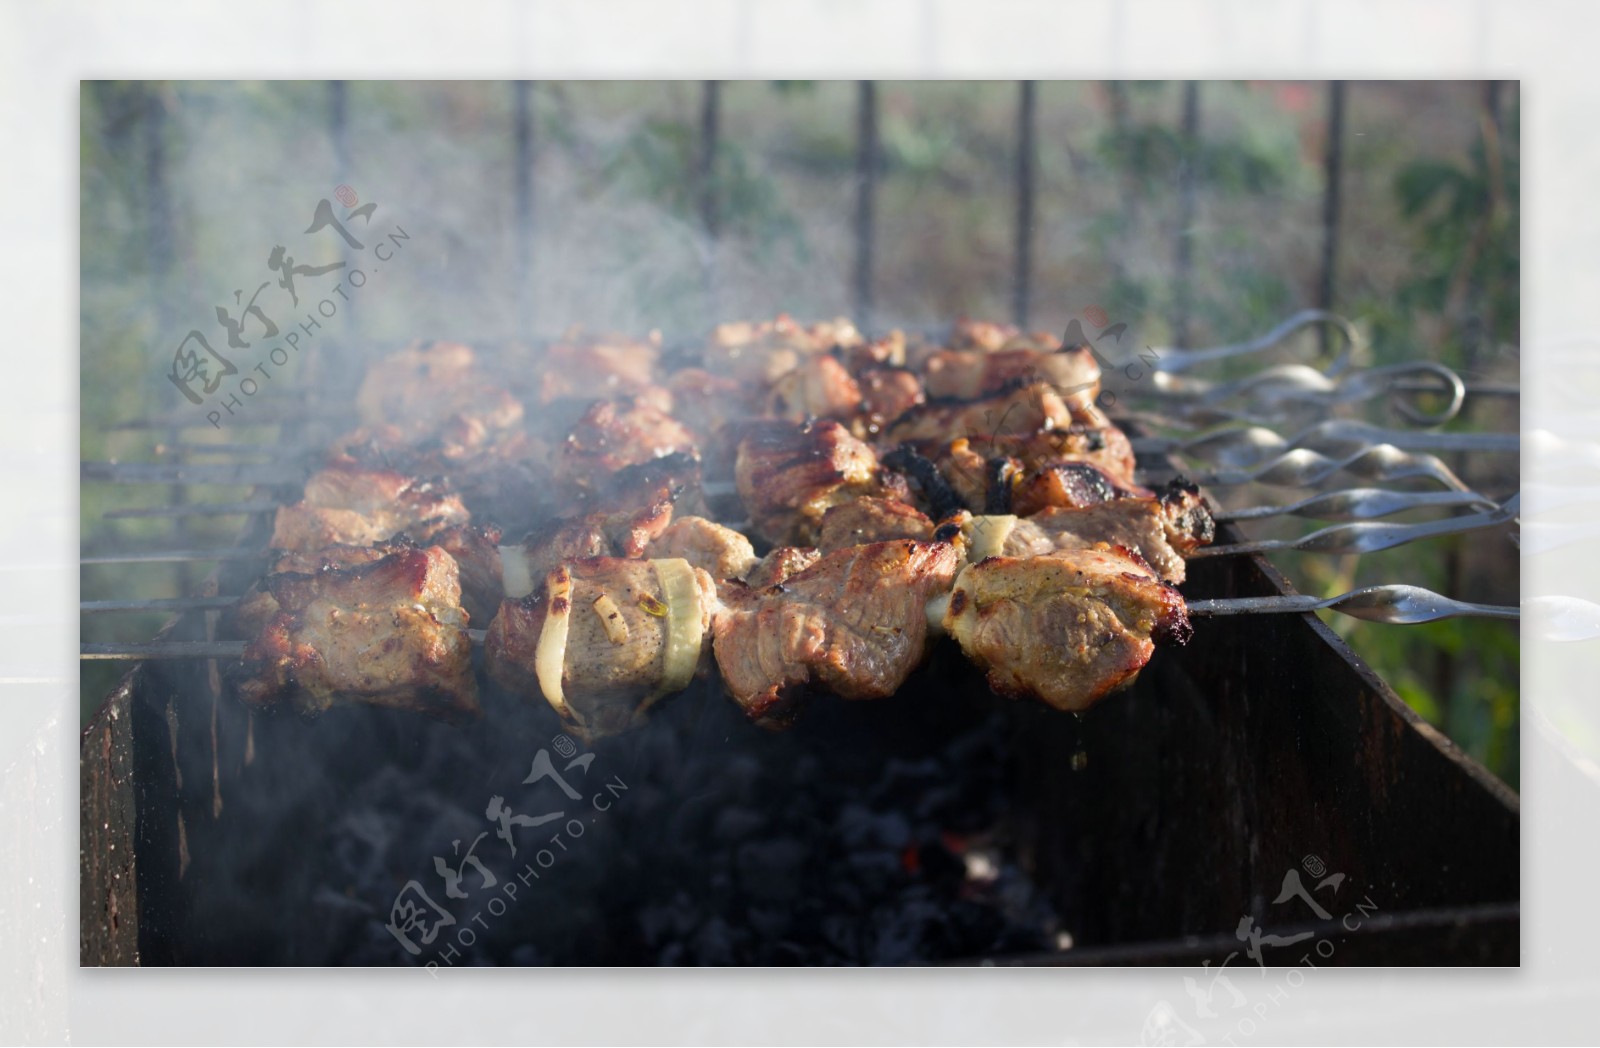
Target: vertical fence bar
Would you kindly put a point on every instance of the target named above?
(1182, 263)
(1333, 171)
(1027, 161)
(163, 261)
(706, 177)
(522, 191)
(866, 188)
(1117, 95)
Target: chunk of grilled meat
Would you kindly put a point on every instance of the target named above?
(351, 505)
(886, 394)
(499, 474)
(854, 624)
(615, 434)
(1163, 530)
(969, 374)
(760, 353)
(987, 472)
(586, 366)
(604, 639)
(779, 563)
(388, 633)
(817, 387)
(429, 386)
(257, 607)
(886, 352)
(719, 551)
(1067, 628)
(983, 335)
(476, 549)
(1068, 484)
(788, 476)
(865, 520)
(1019, 411)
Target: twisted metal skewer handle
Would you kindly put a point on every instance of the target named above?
(1368, 537)
(1244, 446)
(1273, 391)
(1357, 504)
(1304, 468)
(1395, 604)
(1178, 360)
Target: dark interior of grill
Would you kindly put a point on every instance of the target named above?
(943, 825)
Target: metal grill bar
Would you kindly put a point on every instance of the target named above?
(866, 189)
(1027, 163)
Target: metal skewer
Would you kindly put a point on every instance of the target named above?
(175, 556)
(1367, 537)
(195, 509)
(243, 474)
(187, 649)
(1397, 605)
(1356, 504)
(1275, 392)
(1244, 446)
(1304, 468)
(1174, 361)
(96, 607)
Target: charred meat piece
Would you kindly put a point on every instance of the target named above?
(630, 510)
(431, 385)
(389, 633)
(854, 624)
(350, 505)
(985, 472)
(970, 374)
(614, 434)
(476, 550)
(788, 476)
(886, 352)
(886, 394)
(983, 335)
(1070, 484)
(779, 563)
(1067, 628)
(604, 639)
(499, 474)
(589, 366)
(1020, 411)
(760, 353)
(624, 530)
(257, 607)
(867, 520)
(817, 387)
(719, 551)
(1161, 530)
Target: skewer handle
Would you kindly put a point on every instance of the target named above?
(1397, 605)
(170, 556)
(186, 649)
(167, 649)
(93, 607)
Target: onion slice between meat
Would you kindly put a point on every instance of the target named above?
(986, 536)
(550, 656)
(685, 627)
(514, 571)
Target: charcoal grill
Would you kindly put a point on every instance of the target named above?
(1142, 832)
